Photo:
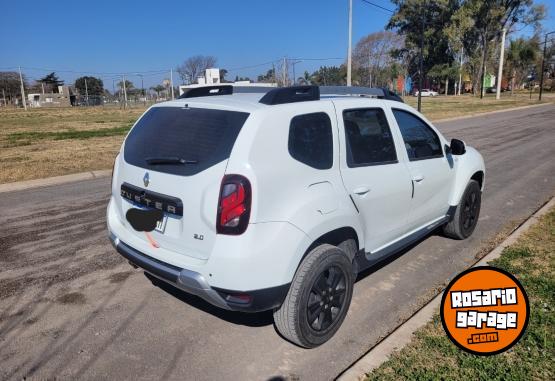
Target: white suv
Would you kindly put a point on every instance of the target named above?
(277, 199)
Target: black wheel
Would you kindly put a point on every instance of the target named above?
(466, 216)
(318, 299)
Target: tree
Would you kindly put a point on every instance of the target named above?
(11, 85)
(94, 86)
(373, 60)
(237, 78)
(521, 54)
(268, 77)
(491, 16)
(444, 72)
(51, 82)
(128, 85)
(194, 67)
(329, 76)
(158, 89)
(223, 73)
(426, 21)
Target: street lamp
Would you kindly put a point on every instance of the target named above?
(543, 62)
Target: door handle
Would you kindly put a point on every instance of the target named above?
(418, 178)
(361, 190)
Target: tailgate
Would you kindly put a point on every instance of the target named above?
(174, 160)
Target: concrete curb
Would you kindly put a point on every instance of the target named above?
(56, 180)
(403, 334)
(490, 112)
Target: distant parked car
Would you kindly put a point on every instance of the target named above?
(493, 90)
(427, 93)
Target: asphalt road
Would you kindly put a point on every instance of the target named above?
(70, 307)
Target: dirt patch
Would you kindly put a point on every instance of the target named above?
(72, 298)
(120, 277)
(31, 321)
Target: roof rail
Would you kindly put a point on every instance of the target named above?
(352, 90)
(291, 94)
(281, 95)
(373, 92)
(205, 91)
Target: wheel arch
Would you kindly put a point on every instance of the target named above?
(470, 166)
(334, 238)
(479, 177)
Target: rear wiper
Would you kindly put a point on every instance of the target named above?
(169, 160)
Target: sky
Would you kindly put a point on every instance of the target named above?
(106, 38)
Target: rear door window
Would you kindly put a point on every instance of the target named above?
(311, 140)
(199, 138)
(369, 139)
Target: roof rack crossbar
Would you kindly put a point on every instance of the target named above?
(205, 91)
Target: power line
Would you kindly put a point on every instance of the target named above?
(253, 66)
(318, 59)
(377, 6)
(153, 72)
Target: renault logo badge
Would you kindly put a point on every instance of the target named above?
(146, 179)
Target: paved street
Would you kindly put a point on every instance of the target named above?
(70, 307)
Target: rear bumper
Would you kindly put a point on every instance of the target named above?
(194, 283)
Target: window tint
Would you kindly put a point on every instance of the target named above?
(310, 140)
(368, 136)
(421, 141)
(203, 136)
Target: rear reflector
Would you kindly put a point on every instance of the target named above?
(239, 298)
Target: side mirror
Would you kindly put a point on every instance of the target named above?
(457, 147)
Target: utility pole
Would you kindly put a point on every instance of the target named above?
(42, 84)
(142, 88)
(284, 71)
(22, 89)
(293, 63)
(543, 63)
(500, 71)
(171, 82)
(124, 92)
(86, 91)
(460, 70)
(420, 64)
(349, 53)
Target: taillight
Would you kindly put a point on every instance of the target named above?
(234, 206)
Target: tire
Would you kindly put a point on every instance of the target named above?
(464, 221)
(312, 326)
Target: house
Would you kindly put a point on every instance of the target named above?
(64, 98)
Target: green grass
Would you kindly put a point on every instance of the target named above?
(28, 137)
(432, 356)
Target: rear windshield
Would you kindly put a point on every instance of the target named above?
(199, 138)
